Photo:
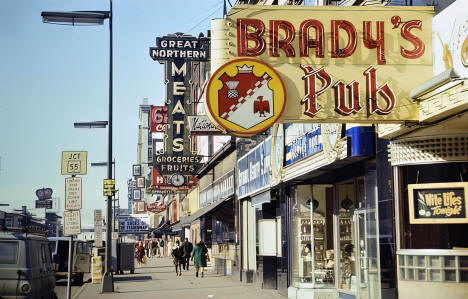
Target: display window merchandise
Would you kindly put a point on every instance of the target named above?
(334, 248)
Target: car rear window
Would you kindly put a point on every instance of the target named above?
(9, 252)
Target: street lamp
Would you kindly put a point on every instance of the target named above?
(91, 125)
(95, 18)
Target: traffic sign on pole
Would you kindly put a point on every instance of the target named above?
(73, 193)
(71, 223)
(74, 162)
(98, 228)
(109, 187)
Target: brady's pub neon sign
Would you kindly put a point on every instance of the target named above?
(339, 64)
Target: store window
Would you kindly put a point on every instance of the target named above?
(421, 236)
(346, 203)
(312, 233)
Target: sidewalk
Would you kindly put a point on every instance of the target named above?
(158, 280)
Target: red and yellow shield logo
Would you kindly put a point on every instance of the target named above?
(245, 97)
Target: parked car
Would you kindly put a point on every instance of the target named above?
(26, 268)
(81, 258)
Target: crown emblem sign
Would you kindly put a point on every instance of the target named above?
(245, 69)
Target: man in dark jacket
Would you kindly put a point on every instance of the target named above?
(187, 247)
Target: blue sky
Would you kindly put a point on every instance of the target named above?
(52, 76)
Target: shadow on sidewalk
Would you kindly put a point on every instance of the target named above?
(157, 267)
(133, 278)
(176, 289)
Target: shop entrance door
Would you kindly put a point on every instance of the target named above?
(361, 254)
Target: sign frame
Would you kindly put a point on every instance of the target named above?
(72, 161)
(411, 202)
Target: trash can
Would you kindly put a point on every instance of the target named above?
(126, 260)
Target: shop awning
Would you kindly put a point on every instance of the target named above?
(187, 220)
(177, 226)
(261, 198)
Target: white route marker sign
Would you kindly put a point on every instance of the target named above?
(71, 223)
(74, 162)
(73, 193)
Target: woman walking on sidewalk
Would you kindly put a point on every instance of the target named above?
(140, 253)
(199, 256)
(178, 256)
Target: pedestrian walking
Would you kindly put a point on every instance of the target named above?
(140, 253)
(158, 248)
(150, 248)
(188, 248)
(178, 258)
(146, 247)
(153, 247)
(199, 256)
(161, 244)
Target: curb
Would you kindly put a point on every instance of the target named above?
(77, 294)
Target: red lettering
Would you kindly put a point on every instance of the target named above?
(311, 92)
(336, 52)
(353, 106)
(372, 93)
(377, 43)
(419, 47)
(243, 37)
(285, 43)
(305, 42)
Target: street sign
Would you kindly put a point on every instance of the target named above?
(71, 223)
(74, 162)
(73, 193)
(98, 228)
(109, 187)
(44, 204)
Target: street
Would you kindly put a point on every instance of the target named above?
(158, 280)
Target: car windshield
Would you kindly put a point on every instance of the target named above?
(9, 252)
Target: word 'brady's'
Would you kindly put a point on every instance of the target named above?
(254, 30)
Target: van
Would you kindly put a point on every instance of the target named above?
(81, 258)
(26, 268)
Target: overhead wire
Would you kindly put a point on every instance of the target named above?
(216, 7)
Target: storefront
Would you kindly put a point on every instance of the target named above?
(219, 222)
(259, 226)
(213, 220)
(330, 180)
(430, 170)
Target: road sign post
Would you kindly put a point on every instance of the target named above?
(73, 163)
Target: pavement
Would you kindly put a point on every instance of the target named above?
(61, 287)
(158, 280)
